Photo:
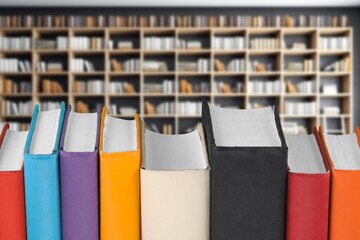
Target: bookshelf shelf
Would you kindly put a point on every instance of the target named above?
(187, 45)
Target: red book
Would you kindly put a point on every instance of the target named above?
(308, 201)
(12, 204)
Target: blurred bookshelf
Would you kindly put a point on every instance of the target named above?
(162, 73)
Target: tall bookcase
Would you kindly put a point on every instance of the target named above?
(275, 56)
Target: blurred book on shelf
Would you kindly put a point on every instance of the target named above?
(87, 43)
(300, 108)
(122, 110)
(229, 43)
(189, 108)
(81, 65)
(14, 65)
(223, 87)
(263, 43)
(60, 43)
(338, 66)
(154, 66)
(201, 65)
(159, 43)
(335, 43)
(265, 86)
(306, 66)
(51, 86)
(306, 87)
(187, 87)
(163, 108)
(122, 45)
(9, 86)
(42, 66)
(49, 105)
(166, 86)
(94, 86)
(189, 44)
(12, 108)
(81, 107)
(257, 66)
(151, 20)
(15, 43)
(121, 87)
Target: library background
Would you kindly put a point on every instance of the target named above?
(161, 63)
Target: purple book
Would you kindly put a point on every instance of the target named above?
(79, 176)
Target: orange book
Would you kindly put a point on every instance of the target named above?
(219, 66)
(344, 198)
(46, 86)
(116, 65)
(149, 108)
(119, 185)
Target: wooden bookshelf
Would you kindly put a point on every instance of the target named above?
(278, 57)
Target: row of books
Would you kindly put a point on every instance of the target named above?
(264, 43)
(173, 21)
(306, 87)
(306, 66)
(129, 65)
(163, 108)
(166, 86)
(335, 43)
(14, 65)
(186, 108)
(234, 65)
(81, 65)
(94, 86)
(50, 86)
(229, 43)
(201, 65)
(87, 43)
(15, 43)
(342, 65)
(49, 105)
(187, 87)
(300, 108)
(12, 108)
(59, 43)
(159, 43)
(224, 87)
(189, 44)
(258, 66)
(122, 110)
(42, 66)
(304, 179)
(265, 86)
(9, 86)
(121, 87)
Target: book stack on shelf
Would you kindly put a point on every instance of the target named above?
(121, 87)
(189, 108)
(166, 87)
(87, 43)
(305, 87)
(300, 108)
(15, 43)
(173, 21)
(265, 86)
(18, 108)
(49, 67)
(91, 86)
(334, 43)
(9, 86)
(50, 86)
(306, 66)
(147, 61)
(201, 65)
(14, 65)
(59, 43)
(223, 87)
(187, 87)
(159, 43)
(261, 43)
(49, 105)
(342, 65)
(81, 65)
(229, 43)
(163, 108)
